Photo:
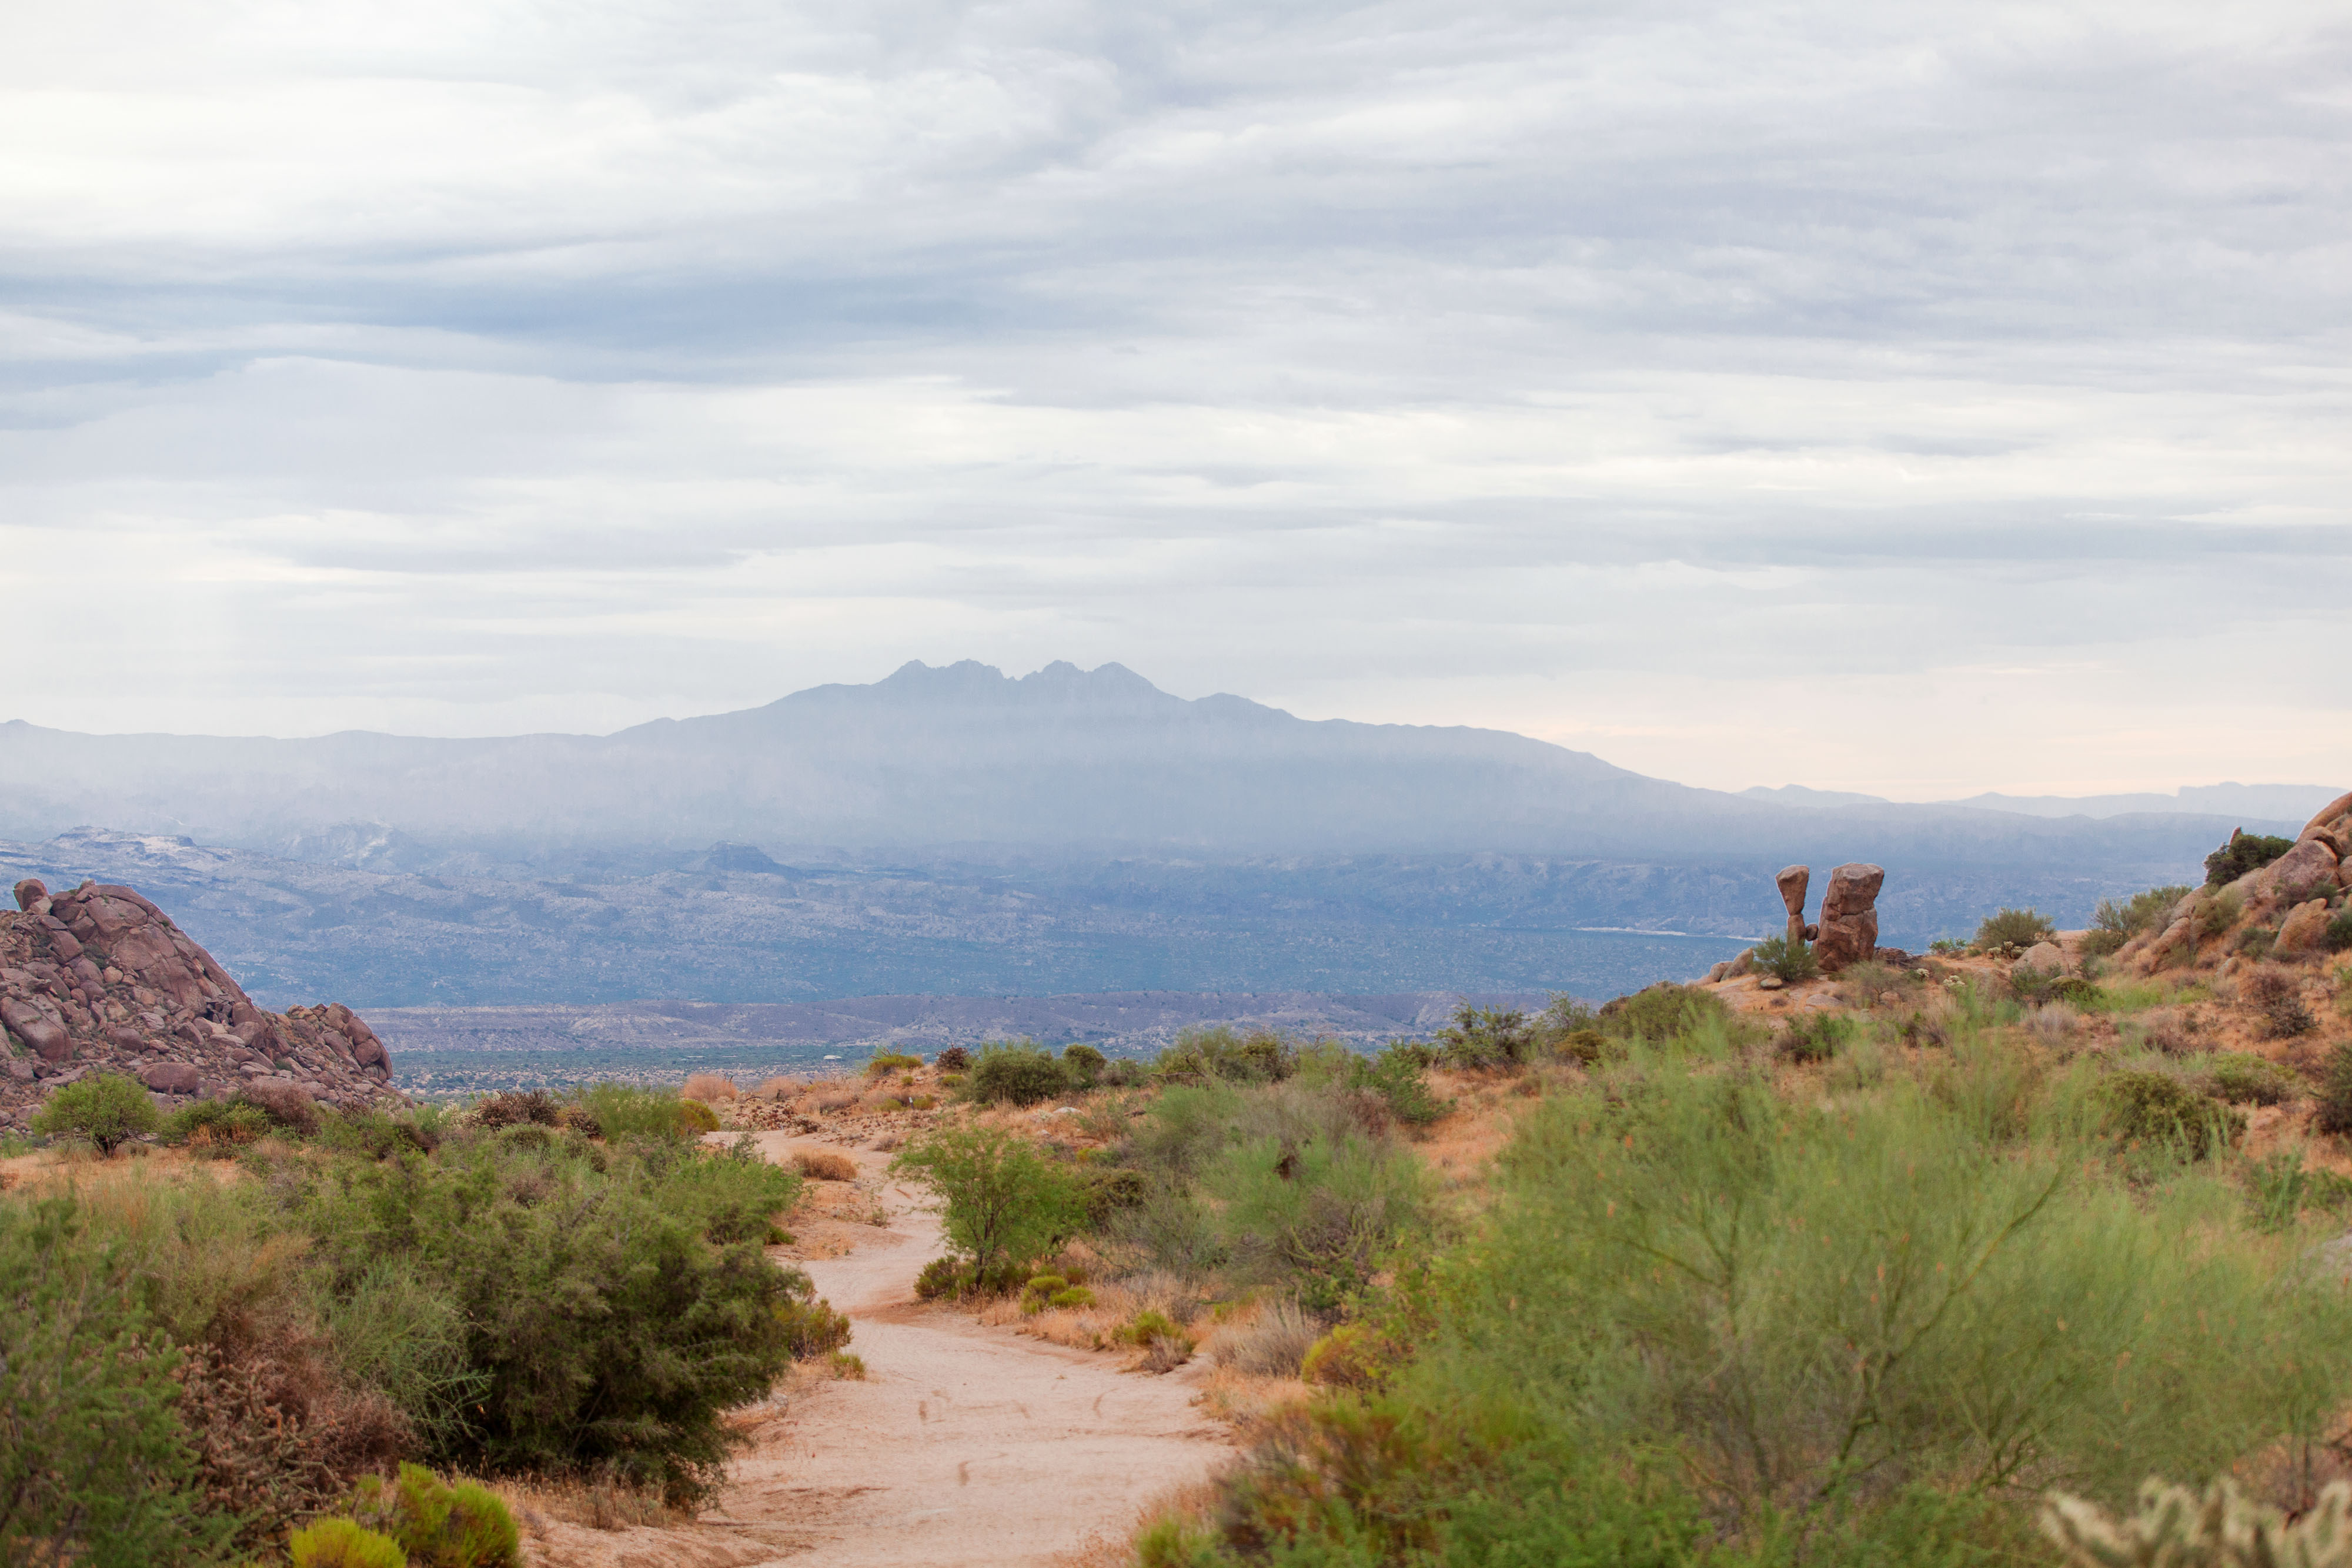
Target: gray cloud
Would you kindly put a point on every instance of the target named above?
(1638, 376)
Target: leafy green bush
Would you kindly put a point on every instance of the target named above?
(436, 1524)
(105, 1107)
(1008, 1074)
(695, 1118)
(1082, 1064)
(626, 1114)
(1316, 1211)
(2244, 853)
(1007, 1204)
(613, 1304)
(340, 1543)
(885, 1063)
(1110, 1188)
(2243, 1079)
(1487, 1038)
(2113, 924)
(1661, 1012)
(95, 1466)
(2338, 936)
(941, 1277)
(2013, 928)
(1791, 961)
(2146, 1106)
(1222, 1055)
(216, 1127)
(2333, 1112)
(1588, 1047)
(812, 1326)
(1397, 1075)
(1818, 1038)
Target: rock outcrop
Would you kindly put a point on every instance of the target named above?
(1792, 883)
(1849, 922)
(97, 979)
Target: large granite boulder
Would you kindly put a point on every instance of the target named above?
(1849, 924)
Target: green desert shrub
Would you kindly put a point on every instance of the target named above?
(615, 1304)
(1318, 1212)
(436, 1524)
(1108, 1189)
(623, 1113)
(1818, 1038)
(106, 1108)
(96, 1466)
(812, 1327)
(1082, 1064)
(885, 1063)
(1224, 1055)
(2244, 853)
(340, 1543)
(217, 1128)
(2333, 1112)
(2114, 924)
(1661, 1012)
(1007, 1074)
(1790, 961)
(2338, 935)
(1006, 1205)
(2013, 928)
(2145, 1106)
(1399, 1076)
(1488, 1038)
(2241, 1078)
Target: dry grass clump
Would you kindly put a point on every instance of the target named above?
(824, 1165)
(777, 1089)
(592, 1503)
(708, 1087)
(1269, 1342)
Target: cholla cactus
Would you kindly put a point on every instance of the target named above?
(2176, 1528)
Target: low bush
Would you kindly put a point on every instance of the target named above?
(1818, 1038)
(2338, 935)
(2216, 912)
(1006, 1074)
(2243, 1079)
(812, 1326)
(516, 1108)
(2113, 924)
(884, 1063)
(695, 1118)
(1487, 1038)
(1108, 1189)
(2256, 941)
(1005, 1204)
(1397, 1075)
(1661, 1012)
(2277, 995)
(2144, 1106)
(1273, 1343)
(824, 1165)
(626, 1113)
(1224, 1055)
(1790, 961)
(709, 1088)
(436, 1524)
(954, 1059)
(340, 1543)
(2244, 853)
(1082, 1064)
(106, 1108)
(1585, 1046)
(2013, 928)
(2333, 1112)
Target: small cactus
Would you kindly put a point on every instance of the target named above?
(2177, 1528)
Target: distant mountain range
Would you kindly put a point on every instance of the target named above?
(960, 759)
(952, 832)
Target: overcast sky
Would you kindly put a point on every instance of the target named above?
(1917, 399)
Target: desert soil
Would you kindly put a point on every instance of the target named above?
(964, 1444)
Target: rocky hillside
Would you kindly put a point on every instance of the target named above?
(99, 979)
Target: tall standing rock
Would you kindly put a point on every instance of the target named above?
(1850, 916)
(1792, 883)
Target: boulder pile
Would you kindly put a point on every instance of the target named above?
(99, 979)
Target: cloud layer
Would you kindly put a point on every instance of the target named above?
(1904, 398)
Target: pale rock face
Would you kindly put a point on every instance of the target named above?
(2312, 866)
(2303, 931)
(1849, 921)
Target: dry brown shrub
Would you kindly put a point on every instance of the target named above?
(777, 1089)
(1271, 1343)
(824, 1165)
(1167, 1353)
(836, 1099)
(278, 1436)
(708, 1087)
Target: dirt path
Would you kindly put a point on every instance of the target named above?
(964, 1445)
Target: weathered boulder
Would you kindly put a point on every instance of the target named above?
(1849, 924)
(2047, 957)
(30, 892)
(170, 1078)
(43, 1034)
(2311, 867)
(2334, 824)
(2303, 931)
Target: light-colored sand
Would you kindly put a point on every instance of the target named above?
(964, 1444)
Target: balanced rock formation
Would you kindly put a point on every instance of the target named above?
(99, 979)
(1849, 924)
(1792, 883)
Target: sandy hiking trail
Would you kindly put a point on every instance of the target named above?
(964, 1444)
